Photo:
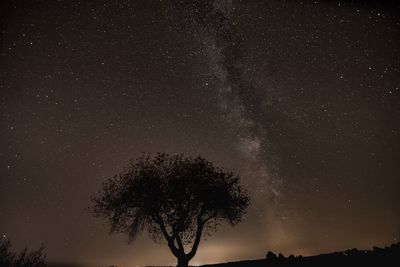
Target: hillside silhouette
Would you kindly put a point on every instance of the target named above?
(387, 256)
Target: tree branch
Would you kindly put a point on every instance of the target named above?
(200, 224)
(170, 239)
(180, 244)
(196, 243)
(207, 219)
(162, 227)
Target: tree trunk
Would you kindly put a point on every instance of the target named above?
(183, 262)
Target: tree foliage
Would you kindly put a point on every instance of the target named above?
(173, 197)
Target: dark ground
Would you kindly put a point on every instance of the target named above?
(388, 256)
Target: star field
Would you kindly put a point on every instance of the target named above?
(300, 98)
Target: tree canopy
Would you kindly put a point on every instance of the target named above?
(172, 197)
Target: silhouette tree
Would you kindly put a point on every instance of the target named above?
(9, 258)
(173, 197)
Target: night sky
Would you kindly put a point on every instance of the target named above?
(300, 98)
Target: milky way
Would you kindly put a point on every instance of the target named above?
(238, 99)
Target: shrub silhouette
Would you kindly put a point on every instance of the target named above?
(172, 197)
(8, 258)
